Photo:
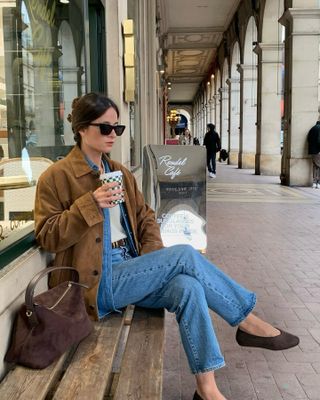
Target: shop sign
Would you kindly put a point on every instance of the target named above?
(174, 185)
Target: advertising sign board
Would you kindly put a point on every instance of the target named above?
(174, 185)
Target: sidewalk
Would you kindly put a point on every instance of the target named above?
(267, 237)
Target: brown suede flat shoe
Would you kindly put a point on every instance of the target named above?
(281, 342)
(196, 396)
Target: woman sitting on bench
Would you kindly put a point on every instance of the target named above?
(117, 249)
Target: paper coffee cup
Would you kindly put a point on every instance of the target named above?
(115, 176)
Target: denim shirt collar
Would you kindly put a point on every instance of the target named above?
(95, 166)
(92, 164)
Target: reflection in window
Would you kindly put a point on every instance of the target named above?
(135, 131)
(68, 75)
(42, 68)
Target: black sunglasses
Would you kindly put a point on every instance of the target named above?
(106, 129)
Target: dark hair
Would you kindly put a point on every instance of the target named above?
(211, 127)
(86, 109)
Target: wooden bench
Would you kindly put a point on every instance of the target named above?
(121, 359)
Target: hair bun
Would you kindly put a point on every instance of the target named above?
(74, 102)
(73, 106)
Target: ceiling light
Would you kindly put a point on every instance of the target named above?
(161, 68)
(212, 76)
(64, 1)
(173, 118)
(169, 83)
(208, 83)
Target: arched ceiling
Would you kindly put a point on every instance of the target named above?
(191, 31)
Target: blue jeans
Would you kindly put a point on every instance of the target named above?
(181, 280)
(211, 161)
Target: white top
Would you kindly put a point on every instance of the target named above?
(117, 231)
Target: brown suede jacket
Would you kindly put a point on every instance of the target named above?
(69, 223)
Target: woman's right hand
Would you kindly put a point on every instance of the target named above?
(106, 193)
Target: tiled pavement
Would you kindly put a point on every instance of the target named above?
(268, 238)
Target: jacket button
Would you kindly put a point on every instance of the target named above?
(98, 240)
(95, 272)
(92, 307)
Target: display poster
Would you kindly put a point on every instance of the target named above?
(172, 141)
(174, 185)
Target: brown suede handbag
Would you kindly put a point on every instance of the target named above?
(49, 324)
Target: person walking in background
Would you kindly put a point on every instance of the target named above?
(31, 136)
(314, 151)
(182, 139)
(188, 137)
(213, 145)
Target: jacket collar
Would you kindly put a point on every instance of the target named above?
(79, 163)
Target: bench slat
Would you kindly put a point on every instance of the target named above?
(90, 370)
(141, 369)
(30, 384)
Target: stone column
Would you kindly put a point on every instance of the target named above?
(205, 115)
(216, 102)
(193, 124)
(195, 120)
(208, 118)
(218, 111)
(268, 157)
(202, 123)
(248, 109)
(301, 88)
(212, 109)
(191, 127)
(198, 123)
(234, 120)
(224, 134)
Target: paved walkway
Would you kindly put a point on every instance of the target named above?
(268, 238)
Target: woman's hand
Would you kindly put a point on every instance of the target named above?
(106, 194)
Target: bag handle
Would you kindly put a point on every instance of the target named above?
(30, 309)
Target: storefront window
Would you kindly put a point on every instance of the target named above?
(135, 126)
(42, 69)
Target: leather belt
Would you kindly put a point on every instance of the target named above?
(119, 243)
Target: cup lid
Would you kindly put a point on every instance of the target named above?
(112, 174)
